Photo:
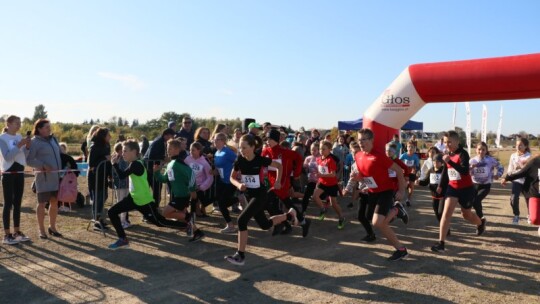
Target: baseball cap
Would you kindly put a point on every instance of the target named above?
(171, 124)
(254, 125)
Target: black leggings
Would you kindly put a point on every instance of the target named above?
(225, 194)
(273, 207)
(481, 191)
(310, 188)
(149, 211)
(13, 186)
(365, 213)
(255, 209)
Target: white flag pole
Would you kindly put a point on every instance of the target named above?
(498, 139)
(484, 123)
(454, 117)
(468, 129)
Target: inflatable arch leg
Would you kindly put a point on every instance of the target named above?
(501, 78)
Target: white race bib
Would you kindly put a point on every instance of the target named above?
(480, 172)
(170, 174)
(453, 175)
(221, 173)
(392, 173)
(196, 168)
(409, 162)
(434, 178)
(251, 181)
(370, 182)
(323, 169)
(270, 168)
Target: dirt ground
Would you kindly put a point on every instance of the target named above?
(329, 266)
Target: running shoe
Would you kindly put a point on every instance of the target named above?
(402, 214)
(408, 203)
(438, 247)
(341, 223)
(515, 220)
(398, 255)
(305, 227)
(482, 227)
(120, 243)
(236, 210)
(287, 229)
(126, 225)
(294, 220)
(197, 236)
(10, 240)
(370, 238)
(20, 237)
(322, 214)
(278, 229)
(235, 259)
(228, 229)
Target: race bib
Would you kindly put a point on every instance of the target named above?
(434, 178)
(480, 172)
(392, 173)
(221, 173)
(370, 182)
(453, 175)
(323, 170)
(196, 168)
(170, 175)
(270, 168)
(409, 162)
(251, 181)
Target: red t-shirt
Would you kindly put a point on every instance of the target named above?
(290, 166)
(327, 165)
(374, 169)
(456, 172)
(393, 174)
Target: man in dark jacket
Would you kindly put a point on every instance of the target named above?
(155, 155)
(186, 131)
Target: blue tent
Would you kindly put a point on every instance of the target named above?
(357, 125)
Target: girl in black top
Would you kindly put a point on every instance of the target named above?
(250, 167)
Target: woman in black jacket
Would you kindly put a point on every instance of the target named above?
(99, 173)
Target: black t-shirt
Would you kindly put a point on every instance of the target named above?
(252, 172)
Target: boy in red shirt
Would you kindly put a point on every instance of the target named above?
(328, 182)
(373, 169)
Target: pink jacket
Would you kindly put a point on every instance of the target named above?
(202, 170)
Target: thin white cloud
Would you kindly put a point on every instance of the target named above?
(129, 81)
(228, 92)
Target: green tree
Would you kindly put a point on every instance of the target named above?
(39, 112)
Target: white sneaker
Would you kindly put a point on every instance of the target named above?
(20, 237)
(229, 229)
(10, 240)
(126, 225)
(515, 220)
(63, 209)
(528, 220)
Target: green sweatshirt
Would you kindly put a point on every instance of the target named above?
(180, 176)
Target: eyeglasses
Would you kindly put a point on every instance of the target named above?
(187, 122)
(364, 139)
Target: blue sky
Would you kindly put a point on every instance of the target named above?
(303, 63)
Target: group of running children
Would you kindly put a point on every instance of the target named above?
(266, 175)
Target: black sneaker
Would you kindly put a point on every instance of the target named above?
(370, 238)
(402, 214)
(287, 228)
(278, 229)
(350, 205)
(408, 203)
(482, 227)
(235, 259)
(438, 248)
(398, 255)
(305, 227)
(197, 236)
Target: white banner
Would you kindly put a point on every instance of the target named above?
(454, 117)
(468, 129)
(498, 139)
(484, 124)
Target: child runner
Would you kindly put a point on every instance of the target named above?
(373, 171)
(517, 161)
(250, 166)
(121, 184)
(310, 165)
(327, 183)
(223, 161)
(432, 178)
(413, 162)
(139, 197)
(482, 166)
(460, 189)
(203, 175)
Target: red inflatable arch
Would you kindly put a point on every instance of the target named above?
(501, 78)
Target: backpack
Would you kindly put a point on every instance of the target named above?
(67, 192)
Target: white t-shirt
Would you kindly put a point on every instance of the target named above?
(10, 142)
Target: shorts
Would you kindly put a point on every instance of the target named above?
(465, 196)
(44, 197)
(412, 177)
(331, 191)
(383, 201)
(180, 203)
